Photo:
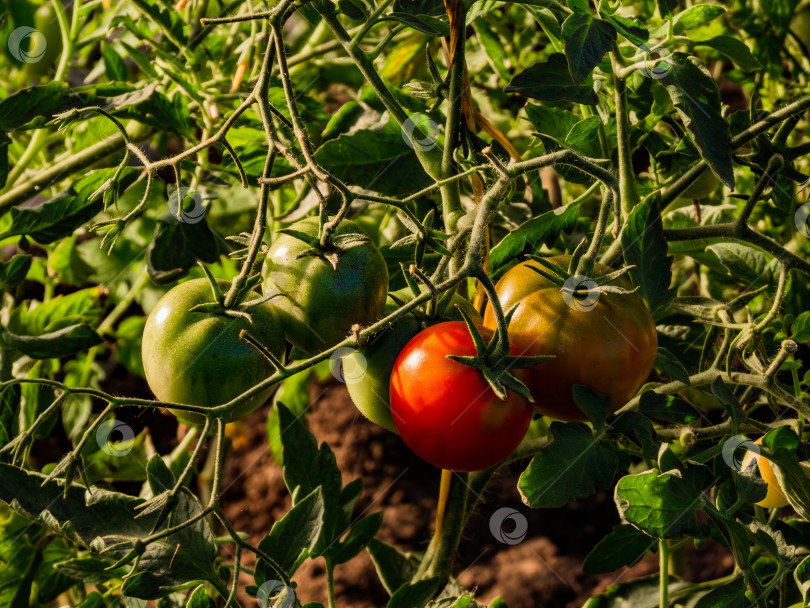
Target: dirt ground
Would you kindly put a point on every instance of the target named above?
(542, 570)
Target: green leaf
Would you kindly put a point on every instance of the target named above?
(415, 595)
(128, 343)
(730, 595)
(697, 99)
(573, 466)
(666, 8)
(114, 65)
(22, 106)
(13, 272)
(632, 29)
(85, 305)
(65, 341)
(358, 538)
(105, 521)
(729, 401)
(800, 328)
(667, 408)
(160, 478)
(663, 505)
(695, 16)
(394, 568)
(551, 81)
(492, 47)
(199, 598)
(735, 49)
(624, 546)
(586, 41)
(532, 233)
(91, 570)
(645, 248)
(292, 537)
(18, 554)
(305, 466)
(745, 264)
(68, 210)
(671, 366)
(177, 246)
(595, 406)
(426, 16)
(380, 159)
(802, 577)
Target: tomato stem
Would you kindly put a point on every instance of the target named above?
(663, 572)
(444, 491)
(454, 518)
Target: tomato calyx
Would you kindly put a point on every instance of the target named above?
(423, 236)
(495, 366)
(241, 307)
(331, 250)
(576, 285)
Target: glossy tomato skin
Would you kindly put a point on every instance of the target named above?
(197, 358)
(367, 371)
(609, 348)
(321, 304)
(445, 411)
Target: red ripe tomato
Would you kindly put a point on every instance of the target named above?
(445, 411)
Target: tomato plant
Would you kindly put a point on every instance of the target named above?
(253, 214)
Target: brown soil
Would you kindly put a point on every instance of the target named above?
(542, 570)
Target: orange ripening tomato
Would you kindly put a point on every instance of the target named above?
(607, 344)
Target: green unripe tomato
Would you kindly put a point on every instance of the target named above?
(321, 303)
(45, 43)
(367, 371)
(198, 358)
